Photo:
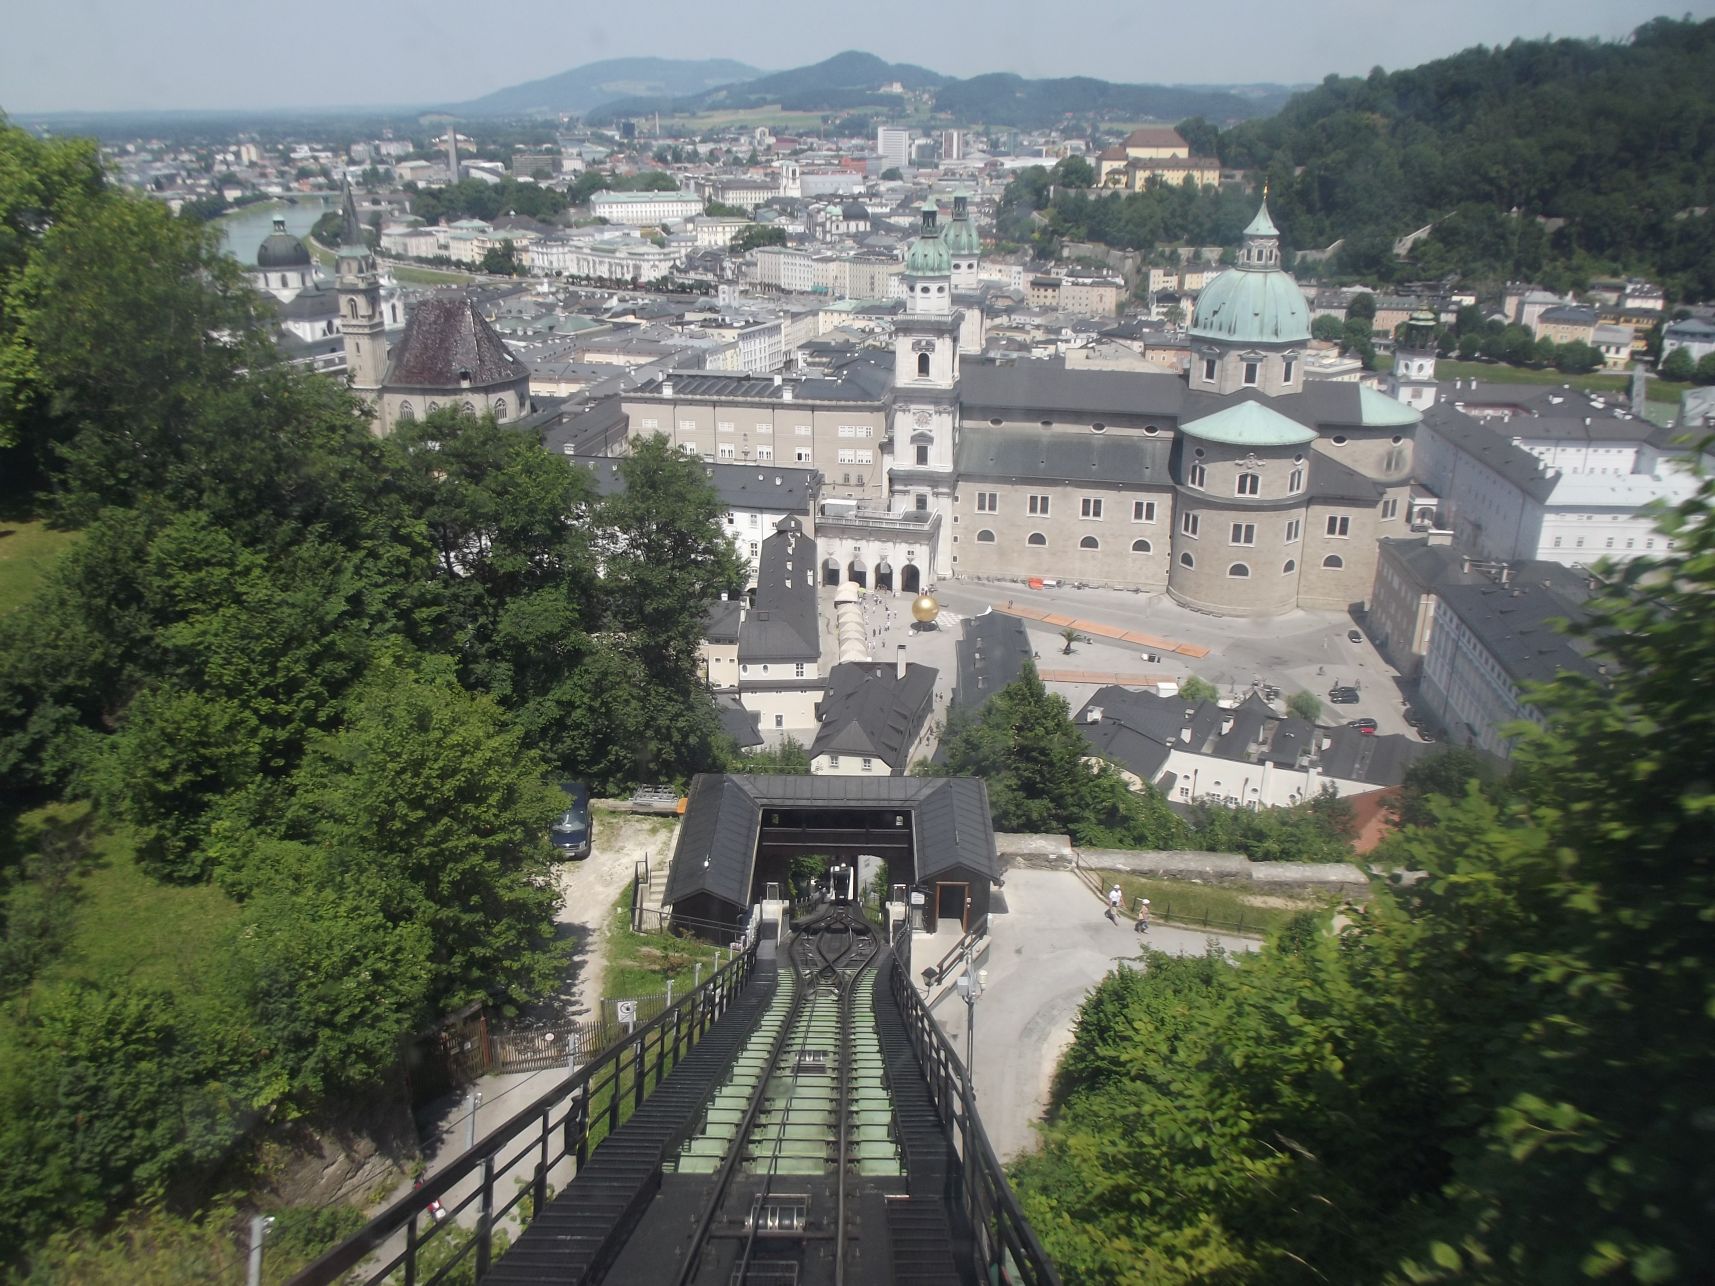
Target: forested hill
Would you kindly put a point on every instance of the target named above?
(1613, 138)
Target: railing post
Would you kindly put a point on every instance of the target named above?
(411, 1252)
(485, 1221)
(638, 1075)
(541, 1188)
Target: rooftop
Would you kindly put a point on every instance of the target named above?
(869, 710)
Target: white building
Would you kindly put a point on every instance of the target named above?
(629, 259)
(893, 145)
(641, 209)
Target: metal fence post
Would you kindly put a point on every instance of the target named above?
(485, 1221)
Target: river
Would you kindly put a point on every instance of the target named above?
(246, 229)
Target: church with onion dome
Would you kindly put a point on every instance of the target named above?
(1238, 487)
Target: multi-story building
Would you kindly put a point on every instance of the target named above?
(893, 146)
(779, 638)
(644, 208)
(630, 259)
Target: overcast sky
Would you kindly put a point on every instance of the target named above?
(128, 54)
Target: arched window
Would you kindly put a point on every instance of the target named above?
(1238, 571)
(500, 408)
(1185, 560)
(1036, 538)
(1089, 542)
(985, 537)
(922, 366)
(405, 411)
(1291, 566)
(351, 307)
(1334, 562)
(1140, 546)
(1250, 484)
(433, 407)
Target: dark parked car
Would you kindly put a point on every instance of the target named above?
(571, 833)
(1355, 636)
(1365, 726)
(1343, 696)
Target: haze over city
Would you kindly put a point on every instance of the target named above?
(100, 55)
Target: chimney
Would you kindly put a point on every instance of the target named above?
(666, 388)
(899, 663)
(1093, 715)
(786, 393)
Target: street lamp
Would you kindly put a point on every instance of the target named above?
(970, 987)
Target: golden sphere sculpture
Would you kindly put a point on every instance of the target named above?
(925, 608)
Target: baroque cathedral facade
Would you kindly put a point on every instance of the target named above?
(1238, 487)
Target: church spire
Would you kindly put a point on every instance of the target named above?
(351, 227)
(1262, 240)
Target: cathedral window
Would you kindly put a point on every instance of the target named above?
(470, 408)
(1339, 525)
(405, 411)
(1199, 476)
(1250, 372)
(500, 408)
(922, 366)
(1250, 484)
(1189, 523)
(922, 454)
(1286, 371)
(1333, 562)
(1209, 369)
(1290, 567)
(1143, 511)
(1089, 542)
(985, 537)
(1295, 483)
(1036, 538)
(1038, 506)
(1244, 533)
(1091, 507)
(1140, 546)
(1185, 560)
(1238, 571)
(988, 502)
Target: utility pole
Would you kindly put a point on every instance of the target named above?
(470, 1121)
(259, 1226)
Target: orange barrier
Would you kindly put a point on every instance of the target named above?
(1102, 677)
(1095, 629)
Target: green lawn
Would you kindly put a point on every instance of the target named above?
(1596, 382)
(639, 964)
(1204, 906)
(27, 550)
(428, 276)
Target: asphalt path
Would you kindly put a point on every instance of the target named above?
(1051, 946)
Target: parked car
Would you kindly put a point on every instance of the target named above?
(571, 832)
(1365, 726)
(1354, 636)
(1343, 696)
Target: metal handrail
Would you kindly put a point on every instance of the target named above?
(1002, 1239)
(557, 1127)
(973, 935)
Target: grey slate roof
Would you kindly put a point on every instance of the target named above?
(1331, 480)
(870, 710)
(590, 431)
(737, 722)
(716, 849)
(1049, 386)
(783, 626)
(446, 337)
(991, 651)
(721, 621)
(1513, 623)
(1483, 444)
(739, 486)
(1068, 457)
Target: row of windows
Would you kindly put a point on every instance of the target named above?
(1253, 370)
(1238, 571)
(1247, 484)
(987, 537)
(1092, 507)
(764, 427)
(408, 412)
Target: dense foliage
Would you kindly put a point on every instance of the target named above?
(1041, 777)
(316, 683)
(1497, 1074)
(1608, 141)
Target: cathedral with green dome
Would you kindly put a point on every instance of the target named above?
(1239, 487)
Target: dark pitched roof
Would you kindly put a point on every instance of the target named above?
(1380, 761)
(783, 624)
(1513, 622)
(737, 722)
(1513, 463)
(991, 651)
(590, 431)
(448, 344)
(1065, 457)
(1049, 386)
(716, 849)
(871, 710)
(739, 486)
(1332, 480)
(721, 621)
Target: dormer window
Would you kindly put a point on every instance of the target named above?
(1251, 372)
(1209, 369)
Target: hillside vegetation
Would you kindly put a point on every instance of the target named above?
(1544, 160)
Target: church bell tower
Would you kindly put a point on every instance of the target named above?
(360, 319)
(926, 385)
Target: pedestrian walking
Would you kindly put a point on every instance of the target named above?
(1115, 900)
(1142, 925)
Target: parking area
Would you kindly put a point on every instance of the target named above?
(1312, 651)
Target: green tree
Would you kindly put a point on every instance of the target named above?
(1444, 775)
(790, 756)
(1328, 328)
(1362, 307)
(1677, 365)
(1306, 705)
(1705, 372)
(501, 260)
(1074, 172)
(891, 174)
(756, 236)
(1193, 688)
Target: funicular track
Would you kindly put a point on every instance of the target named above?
(814, 1116)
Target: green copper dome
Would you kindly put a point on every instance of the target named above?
(1256, 302)
(962, 239)
(928, 256)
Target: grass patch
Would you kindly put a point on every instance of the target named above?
(1205, 906)
(428, 276)
(639, 964)
(27, 551)
(1447, 368)
(156, 935)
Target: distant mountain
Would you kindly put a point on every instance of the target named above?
(855, 81)
(594, 84)
(845, 82)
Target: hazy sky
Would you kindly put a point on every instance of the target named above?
(124, 54)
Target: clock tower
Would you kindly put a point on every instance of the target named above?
(924, 411)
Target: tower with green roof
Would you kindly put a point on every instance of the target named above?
(360, 318)
(923, 416)
(1412, 379)
(1252, 322)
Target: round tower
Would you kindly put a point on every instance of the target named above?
(1412, 380)
(360, 317)
(1251, 323)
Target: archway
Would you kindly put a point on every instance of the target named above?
(858, 574)
(884, 575)
(831, 571)
(910, 579)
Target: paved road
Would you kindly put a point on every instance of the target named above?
(1047, 951)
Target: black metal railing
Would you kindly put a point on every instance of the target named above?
(512, 1164)
(1004, 1243)
(942, 967)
